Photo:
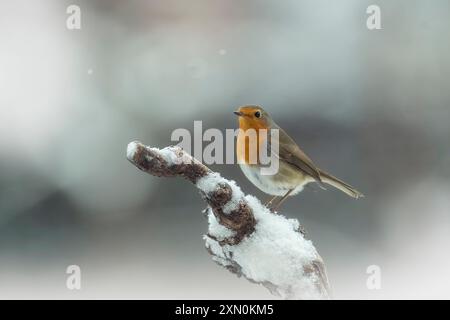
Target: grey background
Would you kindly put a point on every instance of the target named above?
(372, 107)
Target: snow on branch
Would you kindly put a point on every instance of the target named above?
(243, 235)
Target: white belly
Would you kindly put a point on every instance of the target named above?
(271, 185)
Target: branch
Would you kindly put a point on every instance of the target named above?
(243, 235)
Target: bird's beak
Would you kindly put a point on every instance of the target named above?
(238, 113)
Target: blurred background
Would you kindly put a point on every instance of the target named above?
(372, 107)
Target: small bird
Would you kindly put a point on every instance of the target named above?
(295, 168)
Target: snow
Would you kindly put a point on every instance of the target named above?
(131, 150)
(172, 155)
(215, 228)
(213, 181)
(169, 154)
(275, 252)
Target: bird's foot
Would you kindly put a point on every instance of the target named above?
(268, 203)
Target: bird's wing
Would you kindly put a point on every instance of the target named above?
(289, 151)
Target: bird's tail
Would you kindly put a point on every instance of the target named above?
(339, 184)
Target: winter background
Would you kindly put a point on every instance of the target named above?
(372, 107)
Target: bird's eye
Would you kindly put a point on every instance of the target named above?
(258, 114)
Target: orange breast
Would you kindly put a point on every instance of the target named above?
(249, 141)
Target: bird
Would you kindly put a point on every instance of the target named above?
(295, 168)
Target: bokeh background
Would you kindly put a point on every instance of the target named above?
(372, 107)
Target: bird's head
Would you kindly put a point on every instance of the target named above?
(252, 116)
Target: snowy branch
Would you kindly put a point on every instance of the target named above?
(243, 235)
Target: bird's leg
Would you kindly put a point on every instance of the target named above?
(281, 200)
(269, 202)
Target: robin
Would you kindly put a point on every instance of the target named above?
(295, 168)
